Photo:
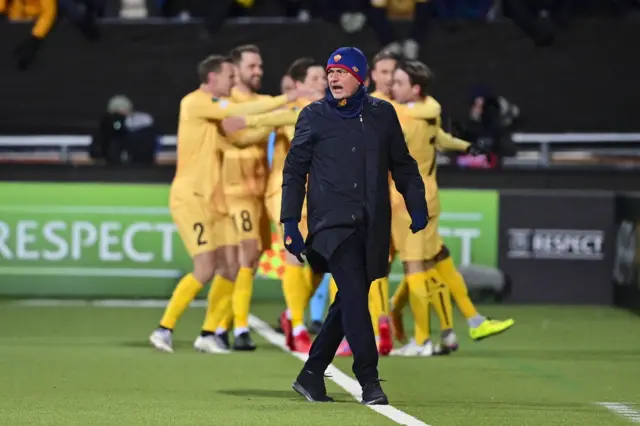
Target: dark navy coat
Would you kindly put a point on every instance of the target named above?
(348, 163)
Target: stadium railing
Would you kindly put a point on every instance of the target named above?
(534, 148)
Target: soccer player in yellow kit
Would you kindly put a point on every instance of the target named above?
(196, 200)
(244, 175)
(298, 286)
(429, 269)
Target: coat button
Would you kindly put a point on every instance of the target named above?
(355, 184)
(353, 216)
(353, 149)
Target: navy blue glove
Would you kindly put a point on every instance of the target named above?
(293, 241)
(419, 221)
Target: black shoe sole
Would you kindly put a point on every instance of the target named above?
(245, 348)
(381, 400)
(303, 392)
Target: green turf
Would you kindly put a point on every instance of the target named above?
(92, 366)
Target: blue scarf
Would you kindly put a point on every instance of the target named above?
(348, 107)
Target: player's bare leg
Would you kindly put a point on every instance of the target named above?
(189, 286)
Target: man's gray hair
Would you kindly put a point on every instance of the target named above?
(119, 103)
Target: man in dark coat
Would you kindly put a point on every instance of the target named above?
(347, 143)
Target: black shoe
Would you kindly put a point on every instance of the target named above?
(243, 342)
(311, 386)
(315, 327)
(372, 394)
(223, 338)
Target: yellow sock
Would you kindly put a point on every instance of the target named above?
(400, 296)
(186, 290)
(458, 288)
(296, 292)
(333, 290)
(384, 286)
(440, 298)
(227, 318)
(241, 301)
(376, 304)
(419, 302)
(218, 304)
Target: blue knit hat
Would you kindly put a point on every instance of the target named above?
(350, 59)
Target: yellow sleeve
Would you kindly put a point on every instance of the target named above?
(221, 109)
(420, 110)
(3, 6)
(251, 136)
(285, 117)
(48, 10)
(446, 142)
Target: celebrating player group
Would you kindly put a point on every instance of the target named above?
(224, 196)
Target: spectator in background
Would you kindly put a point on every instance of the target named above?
(491, 121)
(377, 13)
(124, 135)
(43, 13)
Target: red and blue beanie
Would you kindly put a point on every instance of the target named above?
(350, 59)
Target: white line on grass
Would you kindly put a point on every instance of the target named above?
(623, 410)
(262, 328)
(340, 378)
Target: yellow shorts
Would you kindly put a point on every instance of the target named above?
(246, 213)
(200, 227)
(273, 204)
(424, 245)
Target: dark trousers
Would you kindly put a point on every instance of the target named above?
(349, 313)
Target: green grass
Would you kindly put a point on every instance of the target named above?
(92, 366)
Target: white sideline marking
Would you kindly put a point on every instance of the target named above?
(259, 326)
(623, 410)
(337, 376)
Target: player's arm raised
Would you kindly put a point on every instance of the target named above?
(280, 118)
(220, 109)
(253, 129)
(447, 142)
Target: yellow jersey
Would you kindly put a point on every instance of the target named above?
(200, 141)
(421, 123)
(285, 120)
(244, 164)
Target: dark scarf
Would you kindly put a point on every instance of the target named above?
(348, 107)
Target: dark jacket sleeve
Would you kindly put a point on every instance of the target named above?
(404, 169)
(296, 168)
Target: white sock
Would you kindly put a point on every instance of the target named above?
(238, 331)
(221, 330)
(299, 329)
(475, 321)
(288, 314)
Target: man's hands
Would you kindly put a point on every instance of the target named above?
(293, 241)
(419, 221)
(300, 93)
(231, 125)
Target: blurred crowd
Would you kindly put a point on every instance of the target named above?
(538, 19)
